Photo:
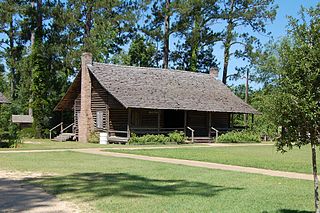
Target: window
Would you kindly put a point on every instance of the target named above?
(99, 121)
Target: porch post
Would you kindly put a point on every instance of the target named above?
(129, 121)
(209, 125)
(159, 111)
(252, 119)
(185, 123)
(231, 123)
(107, 122)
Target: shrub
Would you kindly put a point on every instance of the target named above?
(174, 137)
(94, 137)
(27, 133)
(240, 137)
(10, 138)
(177, 137)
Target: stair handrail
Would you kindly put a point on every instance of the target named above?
(192, 133)
(60, 124)
(67, 127)
(217, 133)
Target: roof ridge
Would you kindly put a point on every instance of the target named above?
(153, 68)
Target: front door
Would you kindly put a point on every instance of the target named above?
(198, 121)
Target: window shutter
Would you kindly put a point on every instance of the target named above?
(99, 119)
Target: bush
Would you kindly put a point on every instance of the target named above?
(9, 138)
(94, 137)
(174, 137)
(27, 133)
(239, 137)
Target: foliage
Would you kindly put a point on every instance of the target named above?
(94, 137)
(8, 131)
(173, 137)
(141, 53)
(194, 49)
(296, 96)
(27, 133)
(253, 14)
(245, 136)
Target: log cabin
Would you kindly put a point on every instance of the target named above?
(121, 100)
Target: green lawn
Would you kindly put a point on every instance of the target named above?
(296, 160)
(109, 184)
(40, 144)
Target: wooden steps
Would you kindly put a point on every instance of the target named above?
(116, 139)
(201, 139)
(64, 137)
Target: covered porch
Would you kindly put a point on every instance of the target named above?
(196, 125)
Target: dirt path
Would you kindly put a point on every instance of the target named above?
(16, 196)
(292, 175)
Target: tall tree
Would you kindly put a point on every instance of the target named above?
(194, 27)
(158, 27)
(11, 45)
(253, 14)
(100, 27)
(141, 53)
(297, 98)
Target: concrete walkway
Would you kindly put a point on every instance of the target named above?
(274, 173)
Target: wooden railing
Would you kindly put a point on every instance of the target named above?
(192, 133)
(155, 130)
(59, 125)
(71, 125)
(217, 133)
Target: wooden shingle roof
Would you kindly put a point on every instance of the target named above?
(3, 99)
(154, 88)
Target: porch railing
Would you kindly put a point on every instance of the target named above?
(59, 125)
(155, 130)
(217, 133)
(71, 125)
(192, 133)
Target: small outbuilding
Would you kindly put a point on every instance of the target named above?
(3, 99)
(121, 100)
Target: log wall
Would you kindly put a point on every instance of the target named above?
(220, 120)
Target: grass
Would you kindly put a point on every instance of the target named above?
(296, 160)
(109, 184)
(41, 144)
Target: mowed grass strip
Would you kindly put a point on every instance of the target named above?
(109, 184)
(44, 144)
(266, 157)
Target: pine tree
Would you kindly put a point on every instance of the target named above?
(194, 27)
(252, 14)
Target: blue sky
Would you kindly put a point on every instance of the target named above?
(277, 28)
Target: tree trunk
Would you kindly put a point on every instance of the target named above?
(195, 42)
(166, 36)
(246, 97)
(226, 54)
(39, 31)
(88, 26)
(12, 60)
(315, 178)
(227, 43)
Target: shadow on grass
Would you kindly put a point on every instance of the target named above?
(292, 211)
(90, 186)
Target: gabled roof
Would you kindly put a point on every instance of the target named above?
(3, 99)
(154, 88)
